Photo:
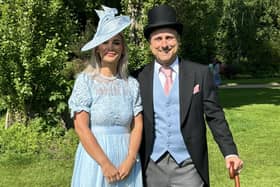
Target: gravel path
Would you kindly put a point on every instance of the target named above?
(234, 85)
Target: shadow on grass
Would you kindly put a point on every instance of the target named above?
(230, 98)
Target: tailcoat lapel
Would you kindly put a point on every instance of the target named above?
(186, 84)
(148, 92)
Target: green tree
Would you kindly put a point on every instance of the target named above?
(233, 31)
(245, 33)
(266, 59)
(139, 51)
(248, 35)
(200, 19)
(35, 36)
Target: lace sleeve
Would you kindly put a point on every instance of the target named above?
(80, 99)
(137, 102)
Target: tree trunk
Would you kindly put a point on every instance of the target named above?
(8, 119)
(13, 116)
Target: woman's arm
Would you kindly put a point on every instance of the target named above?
(134, 144)
(89, 142)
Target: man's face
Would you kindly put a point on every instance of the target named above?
(164, 45)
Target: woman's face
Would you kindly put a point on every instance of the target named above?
(111, 50)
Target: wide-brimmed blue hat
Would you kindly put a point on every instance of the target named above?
(109, 26)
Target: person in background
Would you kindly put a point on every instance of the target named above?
(178, 96)
(215, 68)
(106, 106)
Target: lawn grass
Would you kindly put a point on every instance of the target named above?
(253, 116)
(36, 173)
(251, 81)
(254, 121)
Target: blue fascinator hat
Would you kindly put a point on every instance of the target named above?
(109, 26)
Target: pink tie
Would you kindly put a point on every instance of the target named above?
(167, 71)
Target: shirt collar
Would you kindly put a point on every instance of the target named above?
(174, 66)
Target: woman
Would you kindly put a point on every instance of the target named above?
(106, 107)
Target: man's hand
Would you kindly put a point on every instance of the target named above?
(237, 163)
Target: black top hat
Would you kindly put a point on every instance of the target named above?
(162, 16)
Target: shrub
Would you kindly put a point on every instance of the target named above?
(36, 139)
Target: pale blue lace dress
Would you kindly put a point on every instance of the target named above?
(112, 104)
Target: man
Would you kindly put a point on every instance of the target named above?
(178, 96)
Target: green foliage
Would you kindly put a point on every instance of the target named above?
(40, 48)
(243, 33)
(139, 51)
(248, 34)
(200, 20)
(83, 10)
(38, 138)
(35, 36)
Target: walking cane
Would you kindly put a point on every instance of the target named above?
(234, 175)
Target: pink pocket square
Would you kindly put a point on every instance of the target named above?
(196, 89)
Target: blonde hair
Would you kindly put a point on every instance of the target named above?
(94, 63)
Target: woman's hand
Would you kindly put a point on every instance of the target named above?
(134, 144)
(126, 166)
(110, 172)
